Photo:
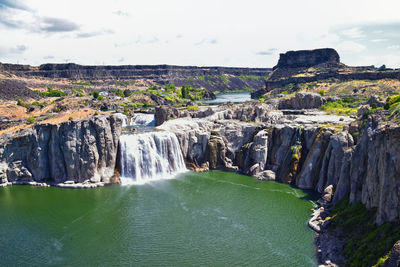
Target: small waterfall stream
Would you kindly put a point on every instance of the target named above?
(149, 156)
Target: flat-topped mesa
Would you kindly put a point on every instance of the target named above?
(307, 58)
(305, 66)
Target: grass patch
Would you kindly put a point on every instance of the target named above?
(248, 77)
(338, 107)
(52, 92)
(83, 83)
(192, 108)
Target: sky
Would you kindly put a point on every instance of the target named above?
(234, 33)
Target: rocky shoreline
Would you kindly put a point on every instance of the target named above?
(66, 184)
(329, 248)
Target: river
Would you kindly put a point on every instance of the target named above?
(197, 219)
(229, 97)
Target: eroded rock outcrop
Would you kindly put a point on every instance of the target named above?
(77, 151)
(302, 100)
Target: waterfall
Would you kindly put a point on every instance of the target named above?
(150, 156)
(143, 119)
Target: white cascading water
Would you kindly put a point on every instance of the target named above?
(125, 121)
(142, 119)
(150, 156)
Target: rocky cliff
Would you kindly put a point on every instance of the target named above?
(211, 78)
(81, 151)
(309, 156)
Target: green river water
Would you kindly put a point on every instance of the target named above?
(197, 219)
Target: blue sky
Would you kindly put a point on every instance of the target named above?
(248, 33)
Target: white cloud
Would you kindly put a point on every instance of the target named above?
(394, 47)
(350, 47)
(185, 32)
(354, 33)
(379, 40)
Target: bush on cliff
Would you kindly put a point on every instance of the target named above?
(30, 120)
(365, 243)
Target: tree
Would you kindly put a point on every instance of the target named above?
(185, 91)
(127, 92)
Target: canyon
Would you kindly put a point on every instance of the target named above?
(252, 139)
(283, 137)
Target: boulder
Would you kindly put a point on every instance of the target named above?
(362, 110)
(164, 113)
(302, 100)
(374, 102)
(17, 172)
(267, 175)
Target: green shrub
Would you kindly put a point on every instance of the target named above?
(135, 104)
(170, 88)
(20, 103)
(70, 118)
(338, 107)
(52, 92)
(39, 104)
(391, 101)
(100, 97)
(321, 92)
(78, 91)
(192, 108)
(127, 93)
(185, 90)
(30, 120)
(95, 95)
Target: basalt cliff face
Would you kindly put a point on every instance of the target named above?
(82, 151)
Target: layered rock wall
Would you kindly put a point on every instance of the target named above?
(77, 151)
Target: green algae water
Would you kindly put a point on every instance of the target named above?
(197, 219)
